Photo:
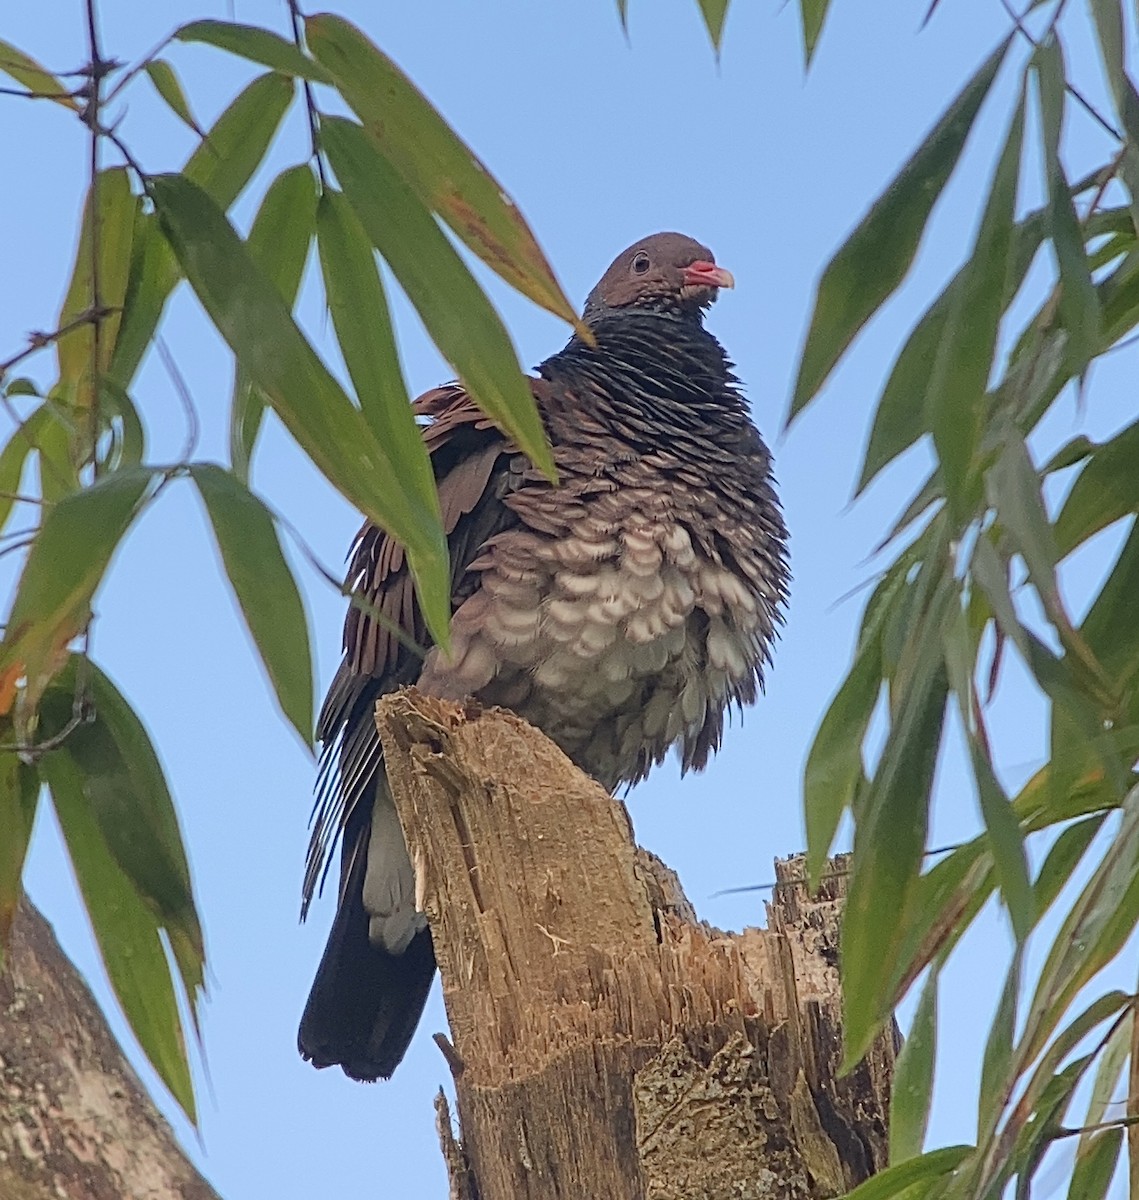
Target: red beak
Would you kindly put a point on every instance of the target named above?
(706, 274)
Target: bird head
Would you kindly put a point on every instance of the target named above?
(666, 272)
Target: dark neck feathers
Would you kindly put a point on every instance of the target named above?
(663, 371)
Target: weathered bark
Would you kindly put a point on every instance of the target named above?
(75, 1123)
(607, 1045)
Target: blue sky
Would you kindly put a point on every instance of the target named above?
(600, 139)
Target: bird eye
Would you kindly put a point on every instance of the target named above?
(641, 263)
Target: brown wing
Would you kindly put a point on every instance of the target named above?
(385, 636)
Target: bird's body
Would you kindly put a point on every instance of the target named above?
(621, 611)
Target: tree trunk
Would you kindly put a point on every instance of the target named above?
(75, 1123)
(607, 1044)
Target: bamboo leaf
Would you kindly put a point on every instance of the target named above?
(899, 417)
(1107, 1077)
(834, 764)
(1106, 490)
(278, 243)
(265, 589)
(1063, 855)
(926, 1168)
(221, 166)
(14, 457)
(1014, 491)
(168, 86)
(1111, 628)
(1079, 302)
(888, 845)
(25, 70)
(363, 327)
(1094, 931)
(1095, 1165)
(877, 256)
(255, 44)
(439, 285)
(126, 931)
(66, 563)
(124, 788)
(912, 1089)
(114, 207)
(813, 14)
(956, 401)
(1007, 842)
(415, 142)
(714, 12)
(998, 1051)
(250, 314)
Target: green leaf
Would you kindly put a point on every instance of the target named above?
(414, 141)
(126, 930)
(124, 789)
(19, 795)
(265, 589)
(1014, 491)
(252, 317)
(1111, 628)
(14, 456)
(1079, 302)
(66, 563)
(1095, 1165)
(1007, 841)
(834, 763)
(222, 165)
(114, 207)
(998, 1052)
(167, 85)
(1108, 16)
(279, 244)
(1108, 1073)
(888, 845)
(25, 70)
(956, 401)
(912, 1089)
(1093, 932)
(1106, 490)
(877, 256)
(458, 316)
(937, 1164)
(255, 44)
(363, 327)
(899, 418)
(714, 12)
(128, 437)
(813, 13)
(1063, 855)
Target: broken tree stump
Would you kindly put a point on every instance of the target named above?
(607, 1045)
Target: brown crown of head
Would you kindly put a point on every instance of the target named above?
(665, 271)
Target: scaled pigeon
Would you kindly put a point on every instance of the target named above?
(621, 611)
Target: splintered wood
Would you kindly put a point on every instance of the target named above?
(607, 1045)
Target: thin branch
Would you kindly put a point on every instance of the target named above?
(139, 66)
(91, 119)
(27, 94)
(1070, 88)
(40, 341)
(369, 610)
(310, 98)
(20, 498)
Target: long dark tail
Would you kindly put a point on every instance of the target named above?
(365, 1003)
